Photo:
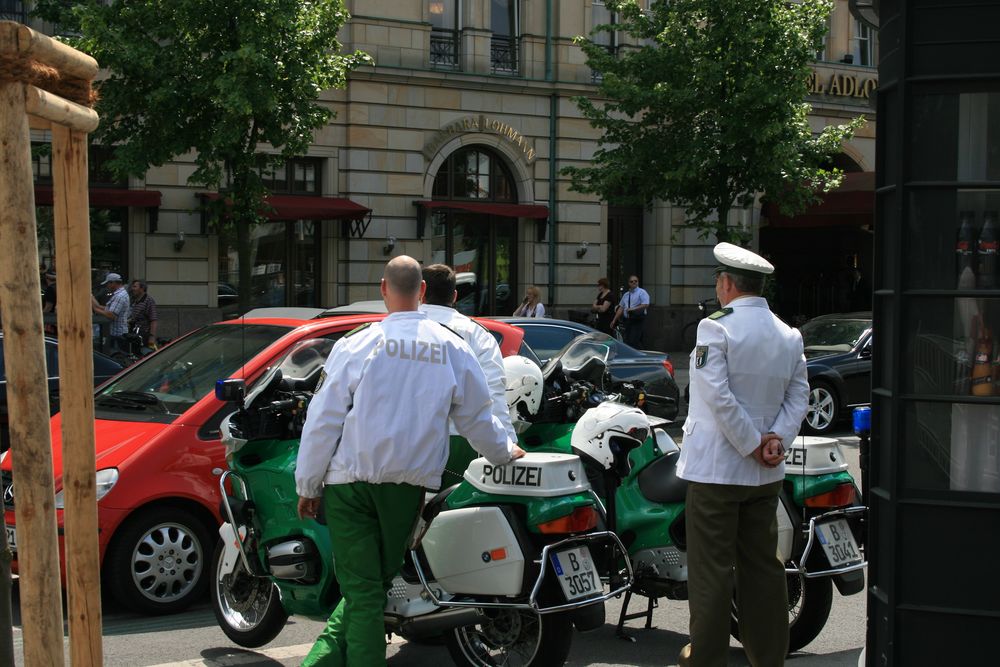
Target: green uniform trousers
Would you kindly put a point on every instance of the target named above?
(369, 528)
(730, 526)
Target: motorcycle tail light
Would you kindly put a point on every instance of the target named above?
(669, 365)
(581, 519)
(840, 496)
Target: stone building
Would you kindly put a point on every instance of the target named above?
(449, 149)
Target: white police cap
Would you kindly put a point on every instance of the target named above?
(734, 259)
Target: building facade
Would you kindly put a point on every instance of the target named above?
(454, 141)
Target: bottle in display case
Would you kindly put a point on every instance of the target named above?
(965, 247)
(986, 250)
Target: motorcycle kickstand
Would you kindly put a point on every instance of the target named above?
(625, 616)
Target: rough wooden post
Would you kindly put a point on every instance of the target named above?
(27, 398)
(71, 223)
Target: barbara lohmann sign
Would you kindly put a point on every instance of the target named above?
(481, 123)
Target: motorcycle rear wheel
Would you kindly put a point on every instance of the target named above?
(809, 603)
(247, 608)
(513, 637)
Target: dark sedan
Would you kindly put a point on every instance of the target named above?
(838, 350)
(547, 337)
(104, 368)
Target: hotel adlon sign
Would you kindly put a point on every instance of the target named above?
(482, 123)
(843, 84)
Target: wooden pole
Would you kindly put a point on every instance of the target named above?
(27, 398)
(71, 223)
(53, 108)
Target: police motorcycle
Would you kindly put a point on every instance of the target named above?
(820, 521)
(500, 563)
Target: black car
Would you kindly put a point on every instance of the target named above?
(838, 349)
(549, 337)
(104, 368)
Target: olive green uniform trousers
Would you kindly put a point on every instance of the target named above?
(370, 525)
(730, 526)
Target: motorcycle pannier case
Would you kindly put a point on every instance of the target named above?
(473, 551)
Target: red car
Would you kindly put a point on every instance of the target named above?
(159, 456)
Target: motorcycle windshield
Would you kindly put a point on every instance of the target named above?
(584, 358)
(299, 369)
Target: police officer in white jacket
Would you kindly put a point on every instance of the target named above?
(438, 305)
(375, 436)
(749, 394)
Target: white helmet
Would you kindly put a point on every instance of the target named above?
(524, 386)
(593, 433)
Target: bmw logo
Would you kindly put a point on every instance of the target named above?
(486, 557)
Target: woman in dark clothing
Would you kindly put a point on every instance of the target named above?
(602, 307)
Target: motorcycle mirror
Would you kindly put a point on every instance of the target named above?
(230, 390)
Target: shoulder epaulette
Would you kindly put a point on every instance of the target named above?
(450, 329)
(357, 329)
(722, 312)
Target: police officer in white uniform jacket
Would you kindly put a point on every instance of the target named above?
(375, 436)
(749, 394)
(438, 305)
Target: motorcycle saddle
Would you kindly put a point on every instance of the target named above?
(659, 482)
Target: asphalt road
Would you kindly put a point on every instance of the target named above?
(192, 639)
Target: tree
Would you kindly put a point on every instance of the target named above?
(223, 78)
(708, 109)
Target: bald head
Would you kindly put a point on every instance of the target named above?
(402, 284)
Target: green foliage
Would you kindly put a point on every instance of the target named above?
(217, 77)
(709, 109)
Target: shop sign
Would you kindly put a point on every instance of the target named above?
(481, 123)
(826, 83)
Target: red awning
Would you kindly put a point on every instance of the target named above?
(106, 197)
(491, 208)
(852, 204)
(305, 207)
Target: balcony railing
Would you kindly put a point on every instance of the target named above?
(444, 48)
(13, 10)
(503, 55)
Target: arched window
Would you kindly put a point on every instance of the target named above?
(480, 246)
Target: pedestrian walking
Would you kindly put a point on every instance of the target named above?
(142, 316)
(601, 308)
(749, 394)
(375, 437)
(116, 310)
(531, 305)
(49, 298)
(632, 310)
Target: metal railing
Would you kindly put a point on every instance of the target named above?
(503, 55)
(444, 48)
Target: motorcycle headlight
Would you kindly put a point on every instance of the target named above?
(106, 480)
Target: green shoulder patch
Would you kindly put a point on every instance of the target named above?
(357, 329)
(722, 312)
(700, 355)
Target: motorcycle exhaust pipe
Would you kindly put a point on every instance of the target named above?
(431, 625)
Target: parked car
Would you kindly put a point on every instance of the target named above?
(547, 337)
(104, 368)
(838, 349)
(159, 454)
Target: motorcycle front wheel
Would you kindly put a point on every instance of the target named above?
(513, 637)
(809, 603)
(247, 608)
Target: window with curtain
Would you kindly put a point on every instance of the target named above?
(864, 44)
(444, 18)
(601, 15)
(505, 43)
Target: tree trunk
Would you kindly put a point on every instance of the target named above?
(243, 252)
